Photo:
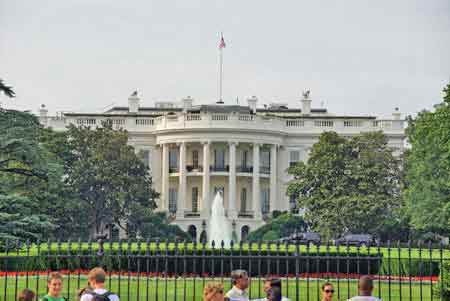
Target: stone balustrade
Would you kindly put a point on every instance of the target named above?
(314, 125)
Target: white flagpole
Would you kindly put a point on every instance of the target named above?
(221, 77)
(220, 69)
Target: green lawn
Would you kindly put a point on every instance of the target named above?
(190, 289)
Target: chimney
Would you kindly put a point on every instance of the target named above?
(396, 114)
(252, 103)
(306, 103)
(133, 102)
(43, 114)
(187, 103)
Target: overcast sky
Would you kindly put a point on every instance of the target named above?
(357, 57)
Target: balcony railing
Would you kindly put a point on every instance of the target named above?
(191, 214)
(225, 168)
(194, 168)
(264, 169)
(173, 169)
(231, 121)
(247, 169)
(248, 214)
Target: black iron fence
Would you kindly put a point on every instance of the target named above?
(155, 270)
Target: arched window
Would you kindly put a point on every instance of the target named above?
(203, 237)
(244, 232)
(192, 230)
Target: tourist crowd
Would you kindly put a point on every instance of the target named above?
(213, 291)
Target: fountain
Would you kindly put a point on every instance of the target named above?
(219, 225)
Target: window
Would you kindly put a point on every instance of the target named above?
(173, 200)
(244, 232)
(194, 199)
(244, 199)
(173, 159)
(265, 203)
(219, 158)
(293, 203)
(244, 158)
(195, 159)
(146, 158)
(294, 157)
(264, 161)
(192, 230)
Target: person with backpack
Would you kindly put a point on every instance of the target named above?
(96, 278)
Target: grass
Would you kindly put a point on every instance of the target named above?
(160, 289)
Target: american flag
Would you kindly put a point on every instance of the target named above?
(222, 43)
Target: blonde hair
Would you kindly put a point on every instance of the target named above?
(97, 274)
(213, 286)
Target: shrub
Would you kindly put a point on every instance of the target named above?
(443, 285)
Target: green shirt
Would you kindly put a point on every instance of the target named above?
(52, 298)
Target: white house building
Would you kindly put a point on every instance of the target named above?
(242, 151)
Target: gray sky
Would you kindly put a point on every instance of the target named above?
(358, 57)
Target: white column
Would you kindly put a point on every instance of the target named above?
(206, 203)
(232, 213)
(256, 187)
(273, 177)
(165, 178)
(181, 204)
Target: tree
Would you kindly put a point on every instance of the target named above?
(20, 151)
(427, 193)
(107, 176)
(7, 90)
(281, 226)
(347, 185)
(20, 220)
(26, 170)
(148, 224)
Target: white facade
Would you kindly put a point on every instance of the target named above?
(193, 151)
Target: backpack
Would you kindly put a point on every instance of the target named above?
(100, 297)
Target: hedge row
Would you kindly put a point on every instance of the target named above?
(176, 261)
(206, 261)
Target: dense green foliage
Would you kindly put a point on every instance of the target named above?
(348, 185)
(427, 193)
(107, 176)
(74, 183)
(155, 225)
(27, 170)
(281, 226)
(442, 288)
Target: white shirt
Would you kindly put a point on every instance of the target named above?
(100, 291)
(265, 299)
(236, 294)
(364, 298)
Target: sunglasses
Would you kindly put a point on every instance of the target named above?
(329, 291)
